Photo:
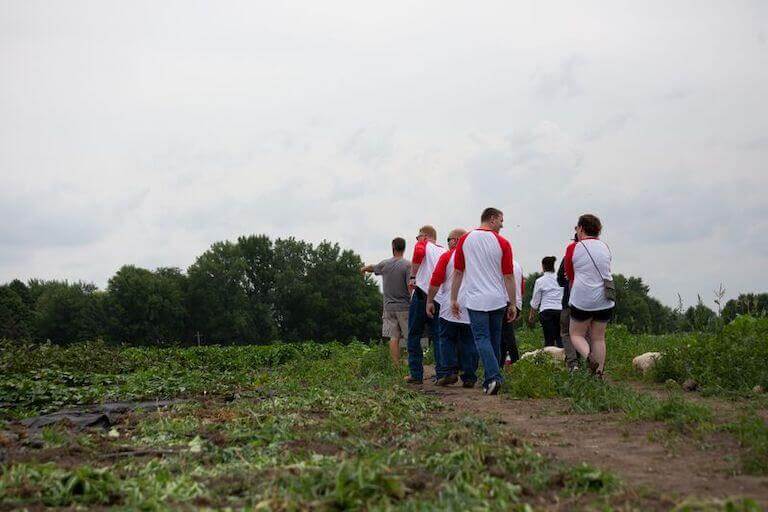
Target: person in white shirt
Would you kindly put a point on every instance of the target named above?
(457, 347)
(425, 256)
(483, 282)
(588, 267)
(508, 338)
(547, 299)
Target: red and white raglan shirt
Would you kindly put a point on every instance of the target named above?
(519, 285)
(443, 277)
(586, 281)
(485, 257)
(425, 254)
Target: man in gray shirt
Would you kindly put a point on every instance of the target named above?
(394, 273)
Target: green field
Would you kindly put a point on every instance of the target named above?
(332, 427)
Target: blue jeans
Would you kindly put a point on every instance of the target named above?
(457, 348)
(486, 330)
(417, 320)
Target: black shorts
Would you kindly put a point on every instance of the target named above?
(601, 315)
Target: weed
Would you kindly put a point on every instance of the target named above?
(752, 432)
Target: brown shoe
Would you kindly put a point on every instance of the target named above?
(447, 380)
(593, 365)
(411, 380)
(468, 384)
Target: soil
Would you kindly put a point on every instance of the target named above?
(643, 454)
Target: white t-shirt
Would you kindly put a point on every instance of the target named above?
(519, 285)
(426, 254)
(547, 294)
(443, 277)
(586, 281)
(485, 257)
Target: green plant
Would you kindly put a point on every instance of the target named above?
(752, 432)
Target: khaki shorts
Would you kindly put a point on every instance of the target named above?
(395, 324)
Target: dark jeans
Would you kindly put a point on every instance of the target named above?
(457, 348)
(508, 342)
(417, 321)
(550, 323)
(486, 331)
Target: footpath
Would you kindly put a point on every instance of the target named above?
(638, 452)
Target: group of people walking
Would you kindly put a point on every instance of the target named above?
(470, 293)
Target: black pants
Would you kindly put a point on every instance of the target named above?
(550, 322)
(508, 342)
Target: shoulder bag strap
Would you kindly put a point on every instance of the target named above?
(590, 257)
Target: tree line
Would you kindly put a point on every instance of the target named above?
(254, 290)
(642, 314)
(257, 290)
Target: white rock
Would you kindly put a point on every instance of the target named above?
(558, 354)
(645, 362)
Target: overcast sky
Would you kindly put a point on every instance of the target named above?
(142, 132)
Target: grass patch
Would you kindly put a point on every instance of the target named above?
(731, 361)
(541, 377)
(752, 432)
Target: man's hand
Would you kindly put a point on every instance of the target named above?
(455, 309)
(431, 309)
(511, 313)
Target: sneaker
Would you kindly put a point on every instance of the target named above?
(573, 369)
(468, 384)
(447, 380)
(493, 388)
(412, 380)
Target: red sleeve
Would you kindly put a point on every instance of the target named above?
(419, 251)
(507, 260)
(458, 260)
(568, 262)
(438, 276)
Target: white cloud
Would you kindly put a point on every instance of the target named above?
(143, 132)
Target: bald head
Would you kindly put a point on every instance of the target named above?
(454, 235)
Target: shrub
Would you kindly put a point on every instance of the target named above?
(732, 360)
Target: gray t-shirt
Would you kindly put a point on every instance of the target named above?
(395, 272)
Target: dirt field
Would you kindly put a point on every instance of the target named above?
(638, 451)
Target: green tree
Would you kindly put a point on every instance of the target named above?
(259, 258)
(66, 313)
(754, 304)
(145, 306)
(217, 301)
(343, 306)
(701, 318)
(23, 291)
(15, 315)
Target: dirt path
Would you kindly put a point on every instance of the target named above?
(639, 452)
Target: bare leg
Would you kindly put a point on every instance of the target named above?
(578, 331)
(598, 343)
(394, 351)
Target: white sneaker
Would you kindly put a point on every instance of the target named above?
(493, 388)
